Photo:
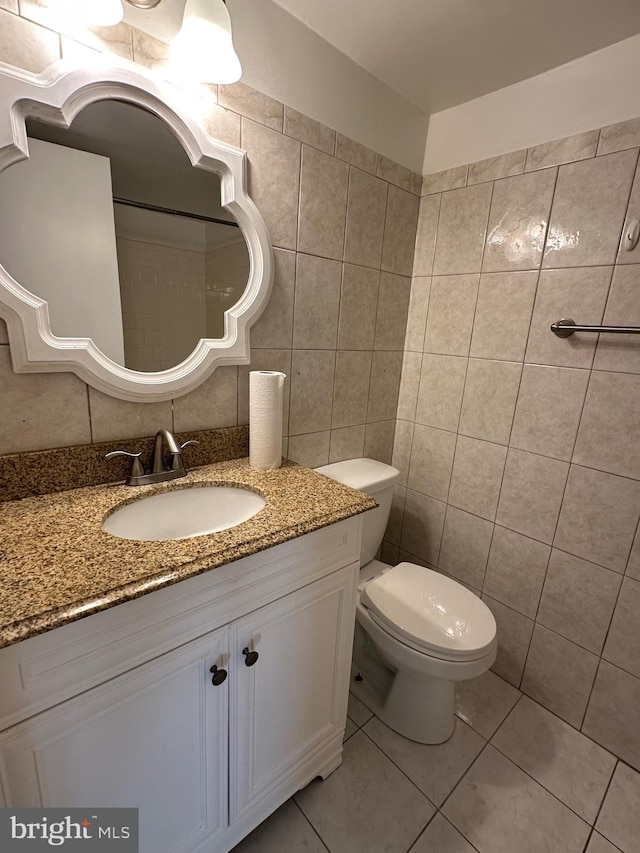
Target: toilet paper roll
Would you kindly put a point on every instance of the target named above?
(266, 389)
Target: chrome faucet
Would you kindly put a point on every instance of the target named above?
(157, 473)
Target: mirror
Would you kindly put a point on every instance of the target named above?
(129, 232)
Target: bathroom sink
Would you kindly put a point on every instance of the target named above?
(183, 513)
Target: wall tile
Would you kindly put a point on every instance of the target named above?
(393, 307)
(623, 642)
(378, 441)
(548, 412)
(578, 600)
(449, 179)
(351, 389)
(579, 294)
(619, 819)
(618, 137)
(265, 359)
(394, 173)
(402, 443)
(9, 5)
(489, 401)
(461, 230)
(346, 443)
(253, 104)
(621, 352)
(565, 762)
(311, 450)
(559, 675)
(386, 368)
(503, 314)
(450, 319)
(274, 328)
(426, 235)
(417, 315)
(502, 166)
(358, 307)
(599, 517)
(532, 494)
(431, 461)
(516, 571)
(309, 131)
(114, 419)
(221, 124)
(366, 207)
(4, 335)
(323, 204)
(416, 184)
(465, 546)
(409, 382)
(633, 563)
(476, 477)
(394, 527)
(566, 150)
(613, 715)
(422, 526)
(440, 393)
(41, 410)
(152, 53)
(25, 44)
(356, 154)
(514, 636)
(608, 433)
(212, 405)
(274, 180)
(518, 222)
(317, 302)
(588, 211)
(401, 222)
(633, 212)
(312, 373)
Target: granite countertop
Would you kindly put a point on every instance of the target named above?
(58, 565)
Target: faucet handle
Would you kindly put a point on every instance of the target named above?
(136, 465)
(176, 458)
(187, 443)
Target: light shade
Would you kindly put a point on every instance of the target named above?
(100, 13)
(203, 49)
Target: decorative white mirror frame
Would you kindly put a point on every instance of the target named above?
(58, 95)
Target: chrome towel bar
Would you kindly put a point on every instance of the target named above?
(565, 327)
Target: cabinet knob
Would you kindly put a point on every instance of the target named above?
(219, 675)
(249, 657)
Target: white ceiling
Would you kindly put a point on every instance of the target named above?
(440, 53)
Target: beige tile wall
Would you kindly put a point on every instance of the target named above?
(519, 451)
(342, 221)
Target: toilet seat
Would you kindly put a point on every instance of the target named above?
(430, 613)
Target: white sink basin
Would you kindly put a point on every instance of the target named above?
(183, 513)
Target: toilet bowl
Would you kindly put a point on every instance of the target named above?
(418, 632)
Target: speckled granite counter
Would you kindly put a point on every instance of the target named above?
(58, 565)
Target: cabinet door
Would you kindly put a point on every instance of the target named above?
(155, 738)
(293, 700)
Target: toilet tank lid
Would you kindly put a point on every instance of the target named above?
(367, 475)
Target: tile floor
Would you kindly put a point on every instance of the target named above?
(514, 778)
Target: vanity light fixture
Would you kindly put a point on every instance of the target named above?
(203, 49)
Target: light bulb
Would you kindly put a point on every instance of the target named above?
(203, 49)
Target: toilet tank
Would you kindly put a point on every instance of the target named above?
(375, 479)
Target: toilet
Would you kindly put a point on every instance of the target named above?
(417, 631)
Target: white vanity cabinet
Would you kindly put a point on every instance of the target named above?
(204, 763)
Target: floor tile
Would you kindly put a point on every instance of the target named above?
(350, 729)
(598, 844)
(619, 820)
(434, 769)
(484, 702)
(561, 759)
(441, 837)
(366, 805)
(358, 712)
(286, 830)
(502, 810)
